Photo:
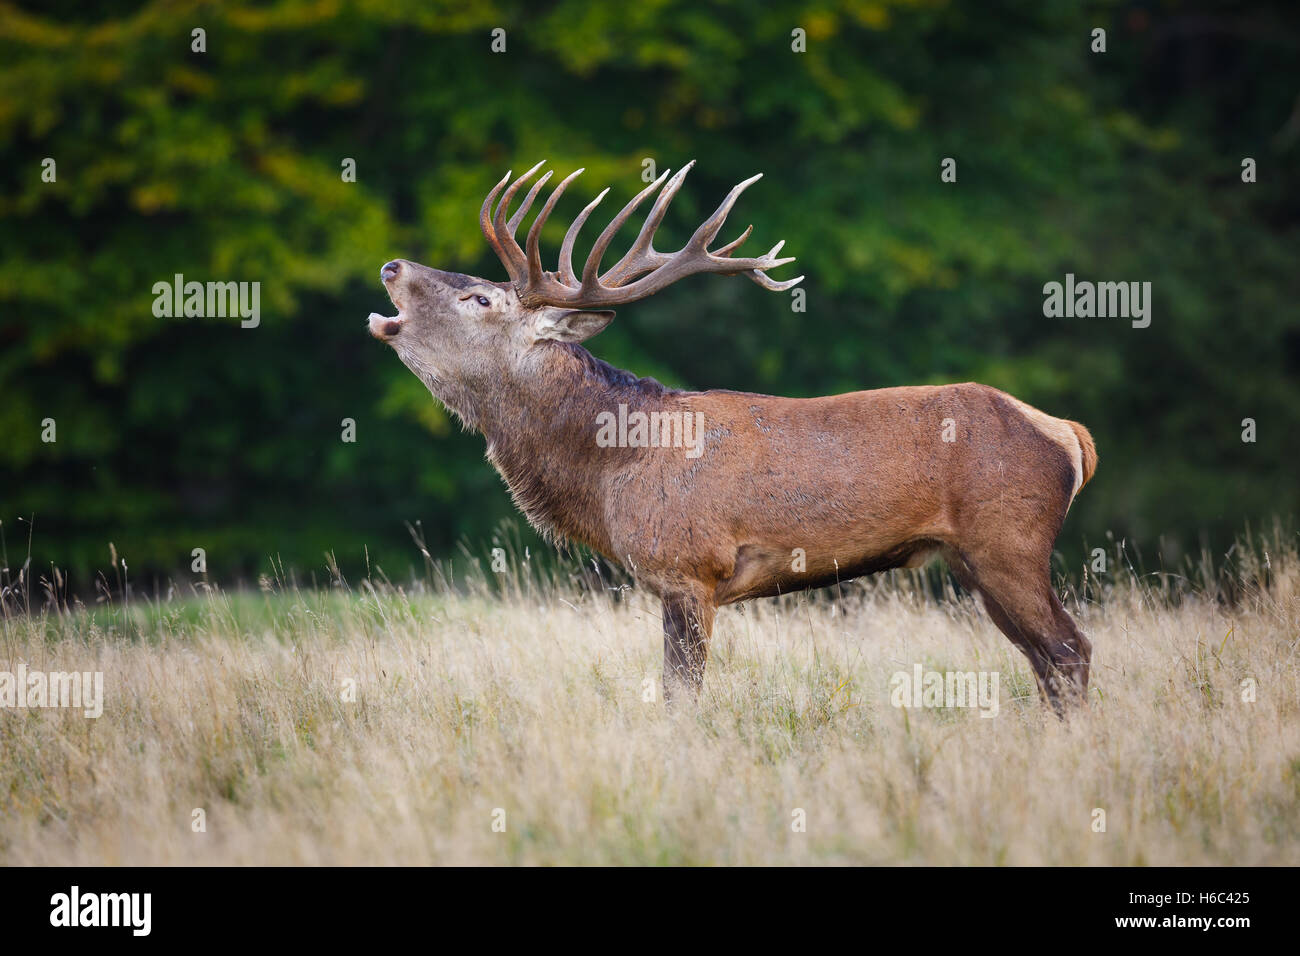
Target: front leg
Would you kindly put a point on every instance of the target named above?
(688, 625)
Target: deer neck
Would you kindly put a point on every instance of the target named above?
(541, 436)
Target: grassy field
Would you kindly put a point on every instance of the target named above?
(530, 699)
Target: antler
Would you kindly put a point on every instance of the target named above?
(641, 272)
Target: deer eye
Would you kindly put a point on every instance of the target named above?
(482, 300)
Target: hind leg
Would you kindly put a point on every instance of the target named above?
(1017, 593)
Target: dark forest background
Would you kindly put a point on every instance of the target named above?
(225, 165)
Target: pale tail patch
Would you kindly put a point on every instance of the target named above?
(1059, 431)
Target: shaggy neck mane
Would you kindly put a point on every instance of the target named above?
(541, 437)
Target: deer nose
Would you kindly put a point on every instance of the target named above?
(390, 270)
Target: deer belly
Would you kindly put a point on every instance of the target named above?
(763, 571)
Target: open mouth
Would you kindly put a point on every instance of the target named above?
(385, 327)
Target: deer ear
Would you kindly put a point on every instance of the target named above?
(564, 325)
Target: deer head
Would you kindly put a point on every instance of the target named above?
(469, 339)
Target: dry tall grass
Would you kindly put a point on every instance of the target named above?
(531, 701)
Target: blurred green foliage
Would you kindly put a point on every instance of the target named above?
(225, 165)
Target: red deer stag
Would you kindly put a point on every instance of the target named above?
(764, 495)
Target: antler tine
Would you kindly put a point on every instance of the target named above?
(512, 257)
(759, 276)
(735, 244)
(485, 218)
(773, 260)
(769, 283)
(518, 217)
(642, 256)
(534, 254)
(592, 265)
(566, 250)
(709, 228)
